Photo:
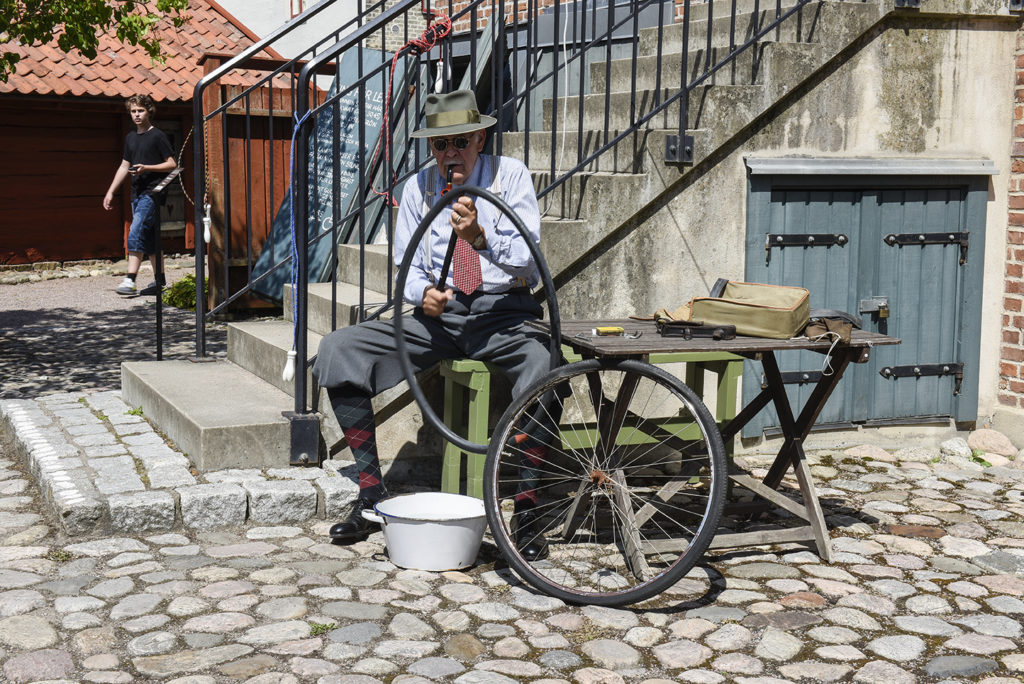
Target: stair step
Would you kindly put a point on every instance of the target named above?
(188, 401)
(625, 157)
(569, 200)
(377, 266)
(728, 106)
(797, 28)
(346, 306)
(699, 9)
(261, 347)
(747, 68)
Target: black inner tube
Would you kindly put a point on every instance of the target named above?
(403, 353)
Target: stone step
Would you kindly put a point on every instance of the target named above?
(589, 196)
(699, 9)
(346, 305)
(798, 27)
(626, 156)
(748, 67)
(376, 260)
(728, 107)
(189, 402)
(261, 348)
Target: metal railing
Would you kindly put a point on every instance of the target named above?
(526, 63)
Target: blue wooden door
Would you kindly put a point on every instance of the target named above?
(921, 293)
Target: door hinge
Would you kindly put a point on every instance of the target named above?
(921, 370)
(902, 239)
(801, 240)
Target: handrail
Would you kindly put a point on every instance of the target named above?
(198, 140)
(540, 68)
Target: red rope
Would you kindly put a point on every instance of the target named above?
(439, 27)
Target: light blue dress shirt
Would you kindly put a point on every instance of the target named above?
(506, 263)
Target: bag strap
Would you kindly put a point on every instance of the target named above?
(718, 289)
(853, 320)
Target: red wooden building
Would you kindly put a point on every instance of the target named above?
(62, 129)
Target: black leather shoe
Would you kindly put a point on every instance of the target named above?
(356, 527)
(528, 537)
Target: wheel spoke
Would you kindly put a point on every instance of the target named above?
(628, 491)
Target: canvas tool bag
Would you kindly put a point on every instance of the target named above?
(757, 310)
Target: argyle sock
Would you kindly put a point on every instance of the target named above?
(354, 412)
(538, 438)
(530, 459)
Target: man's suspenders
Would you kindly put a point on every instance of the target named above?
(432, 188)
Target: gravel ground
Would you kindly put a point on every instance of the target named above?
(65, 329)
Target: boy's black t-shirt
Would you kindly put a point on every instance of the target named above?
(151, 147)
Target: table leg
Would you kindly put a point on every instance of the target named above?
(800, 427)
(795, 431)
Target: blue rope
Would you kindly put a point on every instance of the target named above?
(295, 244)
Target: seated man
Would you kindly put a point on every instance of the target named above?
(483, 316)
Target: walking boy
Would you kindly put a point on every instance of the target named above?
(147, 158)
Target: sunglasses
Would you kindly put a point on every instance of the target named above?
(441, 144)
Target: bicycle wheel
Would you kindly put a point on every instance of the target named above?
(627, 490)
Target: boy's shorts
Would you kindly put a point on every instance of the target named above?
(145, 224)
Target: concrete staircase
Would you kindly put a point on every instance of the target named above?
(228, 413)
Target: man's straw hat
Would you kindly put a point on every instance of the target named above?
(451, 114)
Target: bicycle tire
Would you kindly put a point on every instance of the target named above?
(628, 432)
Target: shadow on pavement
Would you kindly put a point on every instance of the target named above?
(66, 350)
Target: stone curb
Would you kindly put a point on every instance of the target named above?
(102, 470)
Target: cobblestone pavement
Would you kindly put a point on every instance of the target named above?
(928, 584)
(65, 329)
(109, 572)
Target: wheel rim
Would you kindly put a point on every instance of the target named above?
(628, 499)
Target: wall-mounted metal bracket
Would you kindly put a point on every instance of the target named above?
(921, 370)
(781, 240)
(907, 4)
(305, 439)
(901, 239)
(679, 152)
(1017, 5)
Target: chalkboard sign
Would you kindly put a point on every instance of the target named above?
(277, 248)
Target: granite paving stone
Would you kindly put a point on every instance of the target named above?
(203, 578)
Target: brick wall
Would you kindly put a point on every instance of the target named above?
(1011, 358)
(395, 33)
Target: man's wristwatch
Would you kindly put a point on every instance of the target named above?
(479, 242)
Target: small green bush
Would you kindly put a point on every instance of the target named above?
(182, 294)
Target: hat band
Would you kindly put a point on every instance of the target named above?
(444, 119)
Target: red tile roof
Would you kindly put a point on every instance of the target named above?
(123, 70)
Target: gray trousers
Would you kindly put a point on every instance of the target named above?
(480, 326)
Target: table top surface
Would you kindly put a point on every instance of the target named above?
(651, 342)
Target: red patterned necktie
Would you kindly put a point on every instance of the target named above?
(466, 267)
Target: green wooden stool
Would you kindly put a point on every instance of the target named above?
(467, 402)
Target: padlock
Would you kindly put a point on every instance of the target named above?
(883, 311)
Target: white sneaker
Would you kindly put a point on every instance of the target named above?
(127, 287)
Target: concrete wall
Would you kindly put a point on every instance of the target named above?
(266, 16)
(919, 86)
